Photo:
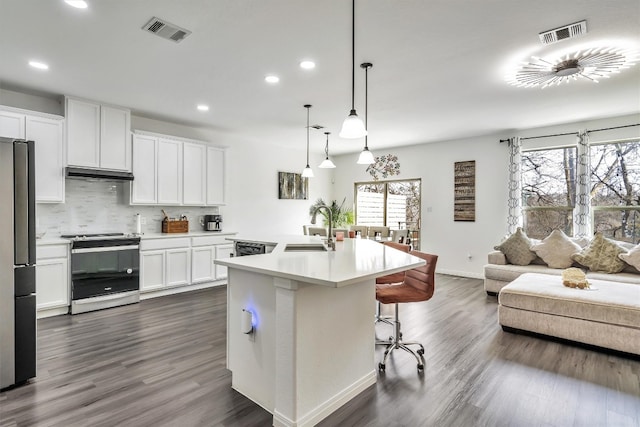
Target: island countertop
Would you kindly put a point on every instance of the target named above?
(354, 260)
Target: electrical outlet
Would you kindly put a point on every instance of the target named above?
(143, 220)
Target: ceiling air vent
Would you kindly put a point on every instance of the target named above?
(166, 30)
(567, 32)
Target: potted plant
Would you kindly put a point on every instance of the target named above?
(342, 216)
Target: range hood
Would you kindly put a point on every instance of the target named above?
(75, 172)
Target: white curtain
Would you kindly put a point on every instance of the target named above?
(514, 220)
(582, 215)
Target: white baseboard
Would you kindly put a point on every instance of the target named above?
(50, 312)
(468, 274)
(180, 289)
(326, 408)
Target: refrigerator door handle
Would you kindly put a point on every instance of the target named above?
(24, 202)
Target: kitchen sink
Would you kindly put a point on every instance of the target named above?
(305, 247)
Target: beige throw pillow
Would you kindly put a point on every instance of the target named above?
(632, 257)
(516, 248)
(601, 255)
(556, 250)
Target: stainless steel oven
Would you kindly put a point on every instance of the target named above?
(105, 271)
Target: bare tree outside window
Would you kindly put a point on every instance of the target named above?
(549, 190)
(615, 190)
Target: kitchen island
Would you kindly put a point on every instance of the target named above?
(312, 345)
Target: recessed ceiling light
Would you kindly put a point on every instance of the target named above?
(307, 65)
(39, 65)
(78, 4)
(272, 79)
(203, 107)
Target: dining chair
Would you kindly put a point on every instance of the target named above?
(317, 231)
(418, 285)
(383, 231)
(359, 229)
(399, 236)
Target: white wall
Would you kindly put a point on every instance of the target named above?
(433, 163)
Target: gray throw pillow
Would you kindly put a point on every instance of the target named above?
(601, 255)
(516, 248)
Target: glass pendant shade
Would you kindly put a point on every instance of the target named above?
(307, 172)
(327, 164)
(366, 157)
(353, 127)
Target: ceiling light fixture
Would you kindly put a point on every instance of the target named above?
(39, 65)
(307, 172)
(203, 107)
(327, 163)
(352, 127)
(308, 65)
(272, 79)
(366, 157)
(78, 4)
(589, 64)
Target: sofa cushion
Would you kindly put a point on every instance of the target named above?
(607, 302)
(507, 273)
(632, 257)
(556, 250)
(516, 248)
(632, 278)
(601, 255)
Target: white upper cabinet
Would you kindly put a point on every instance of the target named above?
(12, 125)
(144, 189)
(115, 142)
(176, 171)
(97, 135)
(49, 148)
(47, 131)
(194, 174)
(169, 172)
(215, 176)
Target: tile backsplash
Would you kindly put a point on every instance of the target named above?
(95, 206)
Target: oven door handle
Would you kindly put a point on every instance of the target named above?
(104, 249)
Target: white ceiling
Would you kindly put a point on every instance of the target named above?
(438, 66)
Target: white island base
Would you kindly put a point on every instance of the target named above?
(312, 349)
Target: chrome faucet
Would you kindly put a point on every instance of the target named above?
(330, 242)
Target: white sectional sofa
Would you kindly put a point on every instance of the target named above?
(498, 273)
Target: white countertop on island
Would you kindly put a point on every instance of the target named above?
(354, 260)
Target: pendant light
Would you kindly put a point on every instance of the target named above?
(307, 172)
(353, 127)
(366, 157)
(327, 163)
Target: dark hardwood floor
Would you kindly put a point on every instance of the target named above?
(162, 363)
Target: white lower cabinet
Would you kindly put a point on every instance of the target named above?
(178, 267)
(52, 277)
(223, 251)
(181, 261)
(202, 268)
(152, 270)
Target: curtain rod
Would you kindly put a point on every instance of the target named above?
(573, 133)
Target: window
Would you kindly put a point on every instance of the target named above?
(549, 190)
(615, 190)
(395, 204)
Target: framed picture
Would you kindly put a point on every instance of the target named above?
(292, 185)
(464, 196)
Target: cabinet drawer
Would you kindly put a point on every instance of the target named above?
(208, 240)
(51, 251)
(153, 244)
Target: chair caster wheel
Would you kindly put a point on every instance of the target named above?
(421, 352)
(381, 367)
(420, 368)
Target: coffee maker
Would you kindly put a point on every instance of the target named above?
(212, 222)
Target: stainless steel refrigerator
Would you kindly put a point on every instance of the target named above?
(17, 262)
